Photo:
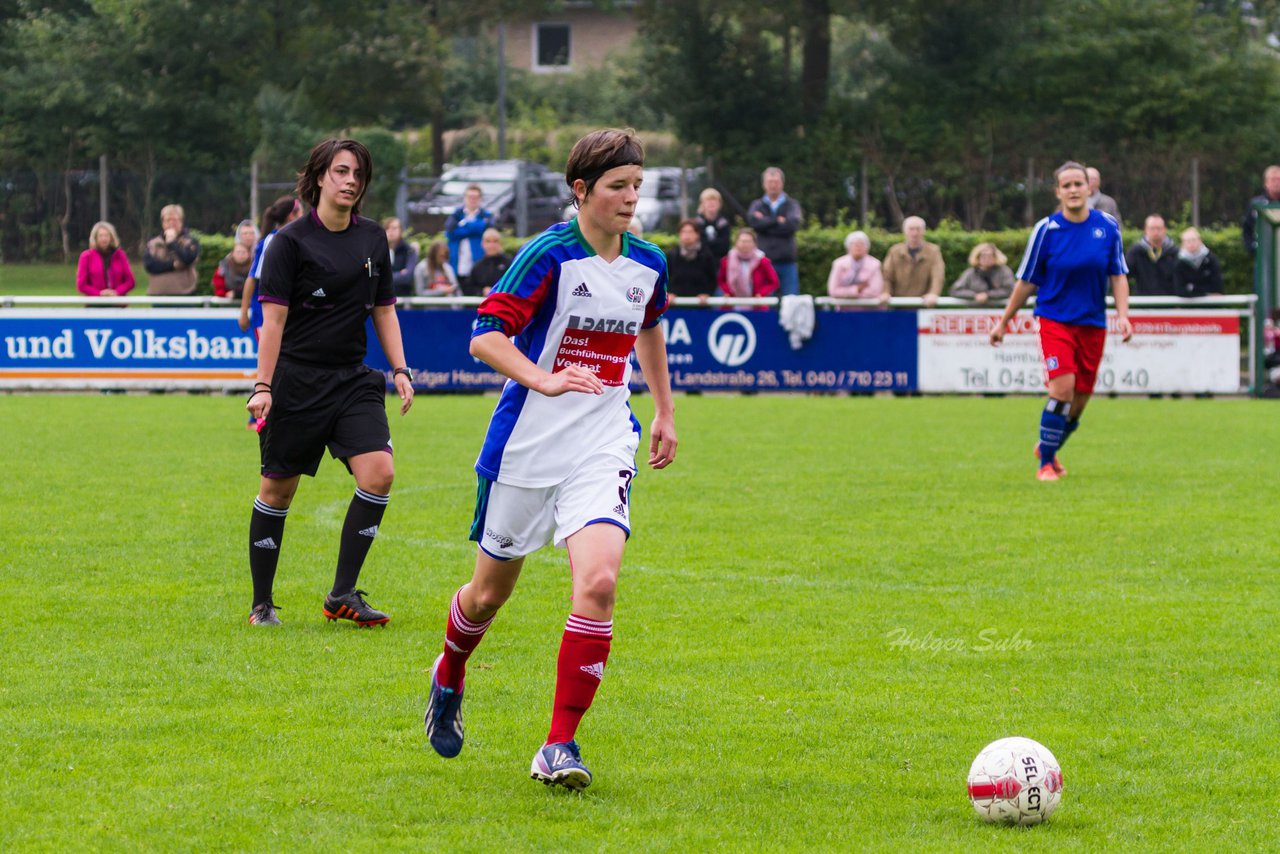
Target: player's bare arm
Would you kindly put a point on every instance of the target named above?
(273, 318)
(497, 351)
(651, 351)
(1021, 293)
(1120, 290)
(388, 329)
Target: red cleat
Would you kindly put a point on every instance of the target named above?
(1057, 466)
(1047, 472)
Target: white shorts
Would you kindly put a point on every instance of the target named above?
(513, 521)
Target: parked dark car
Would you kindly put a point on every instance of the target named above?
(546, 194)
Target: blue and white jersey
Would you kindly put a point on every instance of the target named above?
(255, 273)
(565, 305)
(1071, 264)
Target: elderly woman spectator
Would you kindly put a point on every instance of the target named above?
(745, 271)
(1198, 273)
(855, 275)
(233, 271)
(404, 257)
(988, 277)
(691, 270)
(434, 275)
(170, 257)
(104, 269)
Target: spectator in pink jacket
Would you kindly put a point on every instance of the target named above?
(855, 275)
(745, 271)
(104, 269)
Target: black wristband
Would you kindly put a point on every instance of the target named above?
(258, 392)
(407, 373)
(255, 385)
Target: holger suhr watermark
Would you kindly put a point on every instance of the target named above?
(987, 640)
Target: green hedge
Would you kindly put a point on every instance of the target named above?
(818, 247)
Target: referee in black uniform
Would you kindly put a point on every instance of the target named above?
(323, 276)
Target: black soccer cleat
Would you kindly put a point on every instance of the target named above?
(351, 606)
(264, 614)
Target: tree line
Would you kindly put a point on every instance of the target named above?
(954, 110)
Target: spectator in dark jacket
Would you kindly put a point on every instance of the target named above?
(1198, 273)
(1270, 193)
(170, 257)
(1151, 261)
(776, 218)
(713, 227)
(404, 257)
(489, 269)
(691, 270)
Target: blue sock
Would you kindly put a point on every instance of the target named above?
(1053, 429)
(1072, 424)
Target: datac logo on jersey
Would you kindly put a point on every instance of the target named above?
(731, 340)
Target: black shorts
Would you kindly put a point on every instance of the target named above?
(344, 409)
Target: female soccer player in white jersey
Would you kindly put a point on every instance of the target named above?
(559, 456)
(1071, 257)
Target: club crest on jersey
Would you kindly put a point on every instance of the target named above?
(635, 295)
(603, 324)
(1099, 233)
(1051, 363)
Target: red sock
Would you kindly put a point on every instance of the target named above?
(579, 669)
(461, 637)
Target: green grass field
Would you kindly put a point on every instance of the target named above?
(829, 606)
(47, 280)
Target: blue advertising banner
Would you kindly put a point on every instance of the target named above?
(121, 347)
(706, 350)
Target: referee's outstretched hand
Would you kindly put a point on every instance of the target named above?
(404, 388)
(572, 378)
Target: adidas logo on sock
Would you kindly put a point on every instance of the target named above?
(620, 510)
(318, 292)
(453, 646)
(268, 543)
(596, 670)
(581, 290)
(370, 532)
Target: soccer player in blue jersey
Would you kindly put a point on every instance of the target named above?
(559, 456)
(1071, 258)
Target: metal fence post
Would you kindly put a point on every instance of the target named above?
(522, 201)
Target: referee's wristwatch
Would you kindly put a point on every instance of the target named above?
(406, 371)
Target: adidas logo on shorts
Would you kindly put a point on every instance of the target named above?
(581, 290)
(620, 510)
(370, 532)
(596, 670)
(268, 543)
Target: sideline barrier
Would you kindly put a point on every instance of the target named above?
(1180, 346)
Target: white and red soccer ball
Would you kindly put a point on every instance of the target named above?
(1015, 781)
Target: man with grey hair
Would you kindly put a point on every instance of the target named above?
(1099, 200)
(776, 217)
(914, 268)
(1270, 194)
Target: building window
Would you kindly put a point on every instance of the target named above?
(551, 47)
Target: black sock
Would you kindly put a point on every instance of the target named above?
(363, 517)
(266, 532)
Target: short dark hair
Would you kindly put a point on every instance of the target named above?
(1067, 167)
(692, 223)
(598, 152)
(321, 159)
(277, 213)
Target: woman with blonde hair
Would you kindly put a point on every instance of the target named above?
(855, 275)
(104, 269)
(987, 278)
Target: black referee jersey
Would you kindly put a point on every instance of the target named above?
(330, 281)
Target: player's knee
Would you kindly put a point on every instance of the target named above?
(600, 589)
(273, 493)
(487, 600)
(379, 480)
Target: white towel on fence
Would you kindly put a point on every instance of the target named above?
(796, 315)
